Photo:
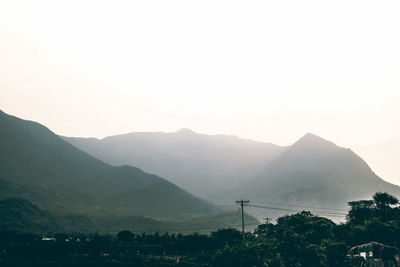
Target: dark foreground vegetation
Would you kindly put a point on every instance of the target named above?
(300, 239)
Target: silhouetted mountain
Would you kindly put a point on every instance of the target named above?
(37, 165)
(21, 215)
(202, 164)
(315, 173)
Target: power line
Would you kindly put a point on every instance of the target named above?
(246, 203)
(333, 214)
(298, 206)
(208, 228)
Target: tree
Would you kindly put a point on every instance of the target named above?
(360, 211)
(381, 206)
(374, 220)
(384, 200)
(125, 236)
(226, 236)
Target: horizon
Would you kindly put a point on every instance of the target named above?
(199, 133)
(268, 72)
(359, 151)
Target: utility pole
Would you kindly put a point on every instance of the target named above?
(242, 202)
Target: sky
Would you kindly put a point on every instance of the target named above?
(262, 70)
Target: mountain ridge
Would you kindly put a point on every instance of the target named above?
(202, 164)
(47, 170)
(313, 172)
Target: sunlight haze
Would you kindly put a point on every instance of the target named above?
(262, 70)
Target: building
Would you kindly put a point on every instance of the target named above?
(374, 254)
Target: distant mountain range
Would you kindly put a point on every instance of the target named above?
(46, 177)
(202, 164)
(47, 184)
(313, 172)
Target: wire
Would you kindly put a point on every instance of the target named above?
(209, 228)
(296, 206)
(333, 214)
(327, 213)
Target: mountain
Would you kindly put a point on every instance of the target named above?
(18, 214)
(40, 167)
(313, 172)
(202, 164)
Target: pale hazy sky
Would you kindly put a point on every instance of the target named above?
(262, 70)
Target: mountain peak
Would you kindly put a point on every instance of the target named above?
(185, 131)
(311, 140)
(311, 136)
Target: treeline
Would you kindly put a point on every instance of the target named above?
(300, 239)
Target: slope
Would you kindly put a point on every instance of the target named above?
(39, 166)
(314, 173)
(22, 216)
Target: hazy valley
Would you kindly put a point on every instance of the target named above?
(37, 166)
(313, 173)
